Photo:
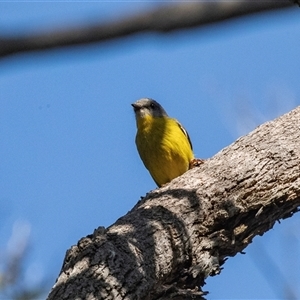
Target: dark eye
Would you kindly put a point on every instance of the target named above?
(152, 105)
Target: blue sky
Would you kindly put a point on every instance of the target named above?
(69, 162)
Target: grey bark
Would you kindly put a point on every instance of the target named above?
(160, 20)
(177, 235)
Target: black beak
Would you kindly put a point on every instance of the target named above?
(135, 107)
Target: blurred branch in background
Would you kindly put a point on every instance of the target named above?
(271, 271)
(161, 20)
(12, 280)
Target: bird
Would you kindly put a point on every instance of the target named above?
(162, 142)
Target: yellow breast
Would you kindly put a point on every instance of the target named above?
(163, 147)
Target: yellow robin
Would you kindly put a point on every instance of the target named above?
(162, 142)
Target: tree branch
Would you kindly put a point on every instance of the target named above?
(177, 235)
(161, 20)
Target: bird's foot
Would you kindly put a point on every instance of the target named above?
(196, 162)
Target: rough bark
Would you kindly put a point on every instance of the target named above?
(161, 20)
(177, 235)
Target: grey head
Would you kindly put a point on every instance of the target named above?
(148, 107)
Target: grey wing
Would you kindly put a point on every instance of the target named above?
(185, 133)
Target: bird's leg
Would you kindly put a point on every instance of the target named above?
(196, 162)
